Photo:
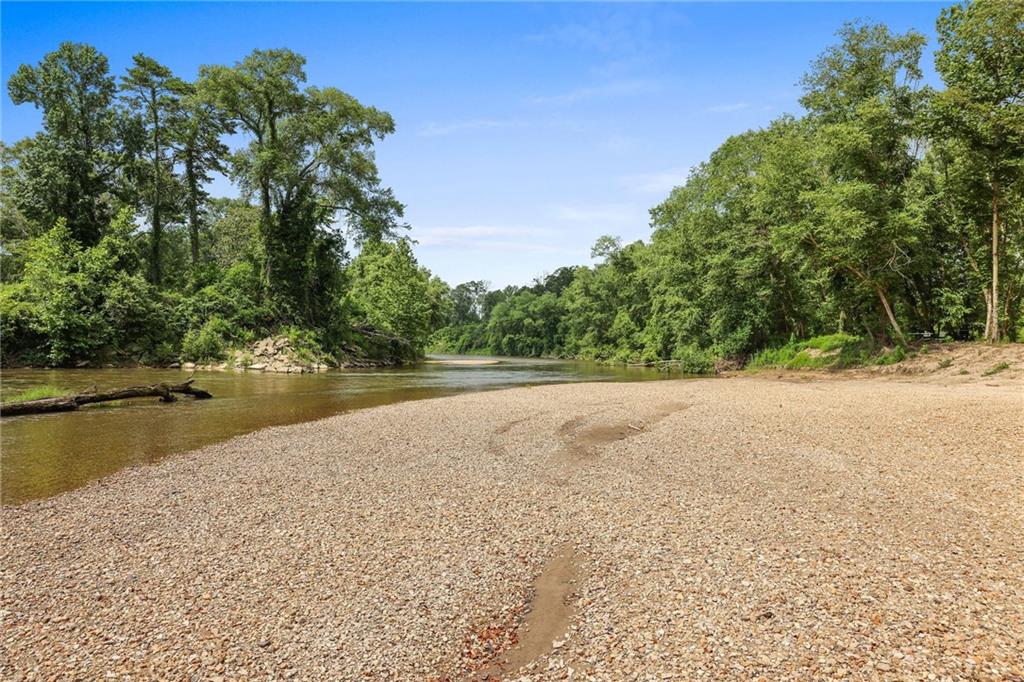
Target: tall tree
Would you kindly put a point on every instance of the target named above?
(864, 99)
(310, 160)
(256, 95)
(154, 93)
(467, 301)
(981, 60)
(69, 169)
(200, 152)
(392, 293)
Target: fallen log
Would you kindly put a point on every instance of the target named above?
(67, 403)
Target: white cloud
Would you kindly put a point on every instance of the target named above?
(500, 238)
(726, 108)
(618, 143)
(661, 182)
(613, 89)
(614, 29)
(439, 129)
(605, 215)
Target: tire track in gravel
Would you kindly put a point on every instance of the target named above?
(552, 608)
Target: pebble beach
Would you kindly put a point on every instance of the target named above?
(716, 529)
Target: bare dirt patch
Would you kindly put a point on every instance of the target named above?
(962, 362)
(583, 443)
(544, 627)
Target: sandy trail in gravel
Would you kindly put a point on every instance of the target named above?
(742, 528)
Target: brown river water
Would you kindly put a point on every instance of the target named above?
(44, 455)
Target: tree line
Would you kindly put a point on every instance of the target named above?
(113, 249)
(888, 210)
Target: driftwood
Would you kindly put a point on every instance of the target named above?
(68, 403)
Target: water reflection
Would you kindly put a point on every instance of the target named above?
(47, 454)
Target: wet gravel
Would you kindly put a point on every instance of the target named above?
(741, 528)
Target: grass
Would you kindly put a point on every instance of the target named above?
(819, 352)
(995, 369)
(37, 393)
(832, 351)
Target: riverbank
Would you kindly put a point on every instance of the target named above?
(719, 529)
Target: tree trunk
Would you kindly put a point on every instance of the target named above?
(69, 403)
(267, 228)
(193, 208)
(993, 326)
(889, 314)
(157, 234)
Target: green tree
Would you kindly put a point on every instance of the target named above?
(198, 148)
(719, 272)
(864, 100)
(81, 302)
(467, 302)
(310, 160)
(154, 94)
(68, 171)
(981, 61)
(393, 294)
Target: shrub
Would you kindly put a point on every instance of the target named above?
(306, 347)
(232, 297)
(692, 360)
(995, 369)
(76, 302)
(208, 343)
(897, 354)
(831, 351)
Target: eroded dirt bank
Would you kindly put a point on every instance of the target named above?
(711, 529)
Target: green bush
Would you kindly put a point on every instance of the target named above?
(17, 338)
(233, 297)
(995, 369)
(469, 338)
(208, 343)
(831, 351)
(897, 354)
(306, 346)
(76, 303)
(693, 360)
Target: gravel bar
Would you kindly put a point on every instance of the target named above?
(741, 528)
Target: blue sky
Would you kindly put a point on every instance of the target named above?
(524, 131)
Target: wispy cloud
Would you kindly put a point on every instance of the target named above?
(726, 108)
(661, 182)
(612, 89)
(600, 214)
(440, 129)
(435, 129)
(615, 29)
(491, 238)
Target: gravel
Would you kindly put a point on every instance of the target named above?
(741, 528)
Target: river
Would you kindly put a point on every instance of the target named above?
(46, 455)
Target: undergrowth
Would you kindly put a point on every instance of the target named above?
(37, 393)
(832, 351)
